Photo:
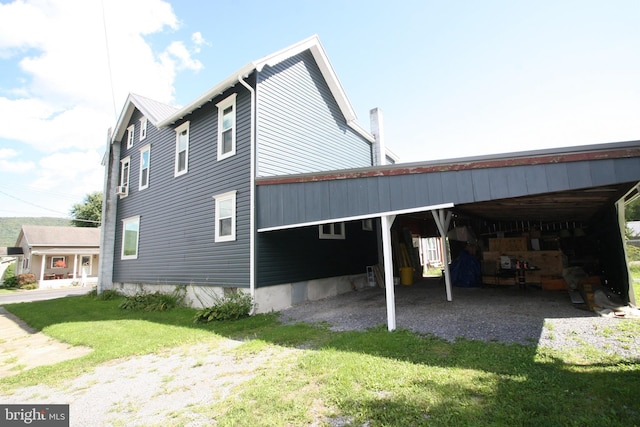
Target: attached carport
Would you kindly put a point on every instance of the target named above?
(575, 184)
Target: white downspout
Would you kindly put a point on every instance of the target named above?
(252, 185)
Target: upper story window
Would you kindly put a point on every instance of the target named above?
(130, 237)
(225, 217)
(182, 149)
(130, 131)
(143, 128)
(227, 127)
(145, 158)
(125, 167)
(332, 231)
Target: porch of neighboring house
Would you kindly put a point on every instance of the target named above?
(68, 269)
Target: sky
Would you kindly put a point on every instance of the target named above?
(452, 78)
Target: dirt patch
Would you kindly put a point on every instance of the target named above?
(174, 387)
(22, 347)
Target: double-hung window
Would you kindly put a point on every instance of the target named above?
(145, 158)
(227, 127)
(125, 166)
(143, 128)
(225, 228)
(130, 237)
(182, 149)
(331, 231)
(130, 131)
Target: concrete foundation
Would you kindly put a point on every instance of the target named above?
(267, 299)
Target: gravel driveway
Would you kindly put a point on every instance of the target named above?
(504, 314)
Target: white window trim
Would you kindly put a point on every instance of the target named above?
(332, 234)
(130, 134)
(231, 195)
(222, 105)
(58, 257)
(143, 128)
(142, 150)
(367, 224)
(126, 160)
(124, 229)
(179, 130)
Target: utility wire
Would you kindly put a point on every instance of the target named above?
(106, 43)
(66, 216)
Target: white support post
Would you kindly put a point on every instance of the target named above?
(443, 220)
(42, 265)
(387, 222)
(75, 266)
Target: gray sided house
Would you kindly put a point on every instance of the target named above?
(180, 192)
(266, 183)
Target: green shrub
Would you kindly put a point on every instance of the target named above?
(633, 252)
(106, 295)
(10, 271)
(157, 301)
(10, 282)
(230, 307)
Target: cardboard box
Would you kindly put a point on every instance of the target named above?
(552, 283)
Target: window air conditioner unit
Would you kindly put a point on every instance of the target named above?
(121, 190)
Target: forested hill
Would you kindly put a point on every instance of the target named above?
(10, 227)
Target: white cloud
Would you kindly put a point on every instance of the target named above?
(70, 74)
(77, 172)
(13, 166)
(178, 57)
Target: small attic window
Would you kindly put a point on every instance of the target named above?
(143, 128)
(130, 131)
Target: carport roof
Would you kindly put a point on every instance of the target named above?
(564, 184)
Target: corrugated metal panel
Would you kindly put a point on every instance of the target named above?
(300, 127)
(290, 256)
(177, 214)
(387, 193)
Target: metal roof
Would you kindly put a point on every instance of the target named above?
(567, 184)
(315, 47)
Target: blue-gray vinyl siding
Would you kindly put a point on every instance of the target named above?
(288, 204)
(296, 255)
(177, 214)
(300, 127)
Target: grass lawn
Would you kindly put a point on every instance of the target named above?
(373, 378)
(7, 291)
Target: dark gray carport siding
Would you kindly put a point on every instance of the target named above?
(287, 201)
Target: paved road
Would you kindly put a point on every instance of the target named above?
(41, 294)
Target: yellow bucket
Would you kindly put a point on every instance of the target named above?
(406, 276)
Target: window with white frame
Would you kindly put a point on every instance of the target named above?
(145, 158)
(130, 237)
(332, 231)
(367, 224)
(58, 262)
(182, 149)
(125, 166)
(143, 128)
(227, 127)
(130, 131)
(225, 216)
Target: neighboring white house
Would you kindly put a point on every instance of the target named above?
(59, 256)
